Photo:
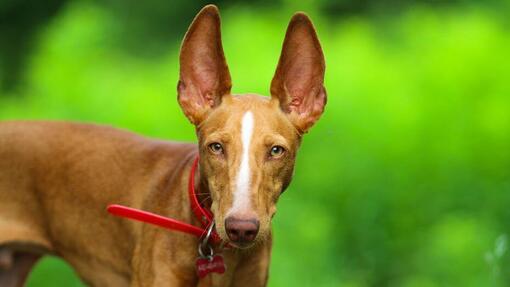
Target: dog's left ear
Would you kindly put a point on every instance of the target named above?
(204, 76)
(298, 83)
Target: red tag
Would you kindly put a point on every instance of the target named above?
(206, 266)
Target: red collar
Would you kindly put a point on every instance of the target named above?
(203, 215)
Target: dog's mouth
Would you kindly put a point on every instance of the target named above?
(241, 245)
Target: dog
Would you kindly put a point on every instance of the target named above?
(57, 178)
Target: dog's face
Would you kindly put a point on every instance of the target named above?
(248, 143)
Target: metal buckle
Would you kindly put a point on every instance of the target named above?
(205, 244)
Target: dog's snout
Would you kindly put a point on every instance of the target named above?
(241, 230)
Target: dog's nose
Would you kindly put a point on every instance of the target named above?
(241, 230)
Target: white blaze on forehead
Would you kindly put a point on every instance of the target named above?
(242, 191)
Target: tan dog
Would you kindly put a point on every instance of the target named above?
(57, 178)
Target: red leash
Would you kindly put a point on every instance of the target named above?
(154, 219)
(204, 215)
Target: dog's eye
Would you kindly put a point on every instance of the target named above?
(276, 151)
(216, 148)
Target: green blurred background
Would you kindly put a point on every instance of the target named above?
(405, 181)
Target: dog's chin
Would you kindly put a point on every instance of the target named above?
(238, 245)
(242, 245)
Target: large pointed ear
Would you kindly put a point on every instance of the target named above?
(298, 83)
(204, 76)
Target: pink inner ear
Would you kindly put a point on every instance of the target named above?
(205, 76)
(309, 111)
(303, 76)
(296, 102)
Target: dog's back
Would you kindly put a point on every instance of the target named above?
(56, 180)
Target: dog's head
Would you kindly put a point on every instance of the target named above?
(248, 143)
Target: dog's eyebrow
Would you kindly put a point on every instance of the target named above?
(272, 139)
(222, 136)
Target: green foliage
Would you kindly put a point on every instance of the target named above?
(405, 181)
(53, 272)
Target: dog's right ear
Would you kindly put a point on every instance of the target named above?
(204, 76)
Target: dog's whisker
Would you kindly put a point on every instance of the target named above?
(205, 199)
(202, 193)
